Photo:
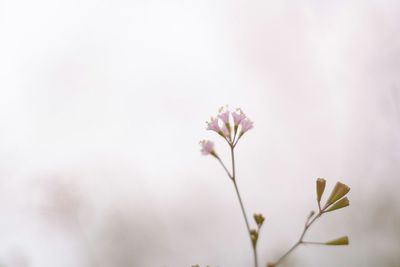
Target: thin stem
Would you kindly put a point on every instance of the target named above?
(285, 255)
(226, 139)
(255, 256)
(223, 166)
(313, 243)
(242, 206)
(234, 134)
(233, 162)
(235, 143)
(299, 242)
(308, 226)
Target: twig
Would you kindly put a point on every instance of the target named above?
(242, 206)
(300, 241)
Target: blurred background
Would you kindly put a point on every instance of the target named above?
(102, 105)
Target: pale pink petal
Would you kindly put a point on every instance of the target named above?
(207, 147)
(224, 116)
(213, 125)
(238, 117)
(225, 131)
(246, 125)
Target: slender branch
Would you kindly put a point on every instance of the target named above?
(226, 170)
(313, 243)
(232, 176)
(300, 241)
(237, 140)
(255, 256)
(233, 162)
(241, 205)
(285, 255)
(234, 135)
(226, 139)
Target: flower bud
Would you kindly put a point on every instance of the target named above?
(344, 202)
(344, 240)
(339, 191)
(225, 132)
(254, 237)
(259, 218)
(246, 125)
(207, 148)
(320, 188)
(224, 116)
(213, 125)
(238, 116)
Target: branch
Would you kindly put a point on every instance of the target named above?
(307, 225)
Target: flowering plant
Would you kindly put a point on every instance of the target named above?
(231, 126)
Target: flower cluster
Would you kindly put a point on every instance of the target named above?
(230, 125)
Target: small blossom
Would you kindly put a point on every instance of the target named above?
(224, 116)
(225, 131)
(213, 125)
(207, 148)
(238, 116)
(246, 125)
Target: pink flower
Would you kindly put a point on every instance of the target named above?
(225, 131)
(207, 148)
(213, 125)
(224, 116)
(238, 117)
(246, 125)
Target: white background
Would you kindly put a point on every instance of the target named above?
(102, 105)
